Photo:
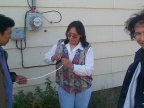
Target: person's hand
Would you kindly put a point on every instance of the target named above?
(67, 63)
(21, 79)
(56, 57)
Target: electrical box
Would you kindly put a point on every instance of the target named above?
(34, 21)
(17, 34)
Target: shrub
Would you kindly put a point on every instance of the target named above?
(37, 99)
(49, 98)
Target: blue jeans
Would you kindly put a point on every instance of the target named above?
(79, 100)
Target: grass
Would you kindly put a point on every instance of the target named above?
(105, 98)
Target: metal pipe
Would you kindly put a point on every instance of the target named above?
(34, 4)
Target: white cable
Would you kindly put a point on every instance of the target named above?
(41, 76)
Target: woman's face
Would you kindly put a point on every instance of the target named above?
(139, 35)
(73, 36)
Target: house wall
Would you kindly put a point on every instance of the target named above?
(104, 25)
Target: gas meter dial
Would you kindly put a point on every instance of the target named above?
(34, 21)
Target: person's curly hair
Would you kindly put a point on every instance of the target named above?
(132, 21)
(5, 22)
(80, 30)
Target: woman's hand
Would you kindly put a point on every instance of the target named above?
(66, 63)
(56, 57)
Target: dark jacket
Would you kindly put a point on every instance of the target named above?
(3, 98)
(139, 57)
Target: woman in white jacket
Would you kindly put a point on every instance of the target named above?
(75, 77)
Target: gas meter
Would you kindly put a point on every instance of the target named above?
(34, 21)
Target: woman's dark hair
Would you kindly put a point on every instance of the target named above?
(132, 21)
(5, 22)
(80, 30)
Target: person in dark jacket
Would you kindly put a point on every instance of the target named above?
(7, 77)
(132, 92)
